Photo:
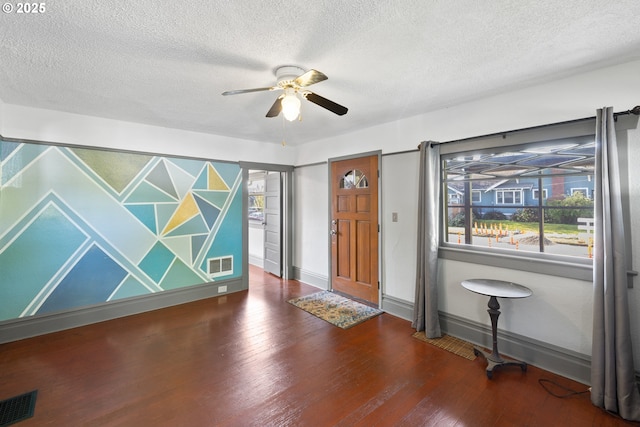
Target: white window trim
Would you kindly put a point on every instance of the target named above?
(582, 190)
(509, 190)
(575, 268)
(535, 191)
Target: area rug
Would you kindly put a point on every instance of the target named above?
(449, 343)
(335, 309)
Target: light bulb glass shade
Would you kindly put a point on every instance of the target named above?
(290, 107)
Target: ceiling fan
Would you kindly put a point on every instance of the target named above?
(292, 81)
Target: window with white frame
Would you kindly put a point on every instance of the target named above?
(508, 197)
(514, 217)
(535, 193)
(255, 185)
(584, 191)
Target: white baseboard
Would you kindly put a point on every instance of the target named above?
(311, 278)
(256, 260)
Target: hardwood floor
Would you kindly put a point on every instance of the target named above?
(252, 359)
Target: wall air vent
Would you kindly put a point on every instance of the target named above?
(221, 266)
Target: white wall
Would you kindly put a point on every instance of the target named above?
(311, 220)
(559, 312)
(256, 245)
(60, 127)
(399, 181)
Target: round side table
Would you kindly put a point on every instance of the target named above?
(495, 289)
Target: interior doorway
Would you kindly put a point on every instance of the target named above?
(268, 217)
(265, 220)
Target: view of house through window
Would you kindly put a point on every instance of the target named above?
(494, 197)
(256, 196)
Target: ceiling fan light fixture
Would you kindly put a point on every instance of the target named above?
(290, 106)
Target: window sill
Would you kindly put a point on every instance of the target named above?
(559, 266)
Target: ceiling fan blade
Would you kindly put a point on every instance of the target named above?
(325, 103)
(309, 78)
(275, 108)
(258, 89)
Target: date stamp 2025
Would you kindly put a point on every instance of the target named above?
(24, 8)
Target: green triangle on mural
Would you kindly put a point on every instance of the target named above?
(147, 193)
(216, 198)
(179, 276)
(116, 168)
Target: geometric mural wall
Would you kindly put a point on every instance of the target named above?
(82, 226)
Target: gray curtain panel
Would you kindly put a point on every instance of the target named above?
(425, 311)
(613, 385)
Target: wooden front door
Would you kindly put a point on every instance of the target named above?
(354, 227)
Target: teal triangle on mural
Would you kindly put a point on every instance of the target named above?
(197, 241)
(202, 182)
(157, 261)
(131, 287)
(165, 213)
(179, 276)
(209, 212)
(195, 225)
(216, 198)
(147, 193)
(191, 166)
(160, 177)
(146, 214)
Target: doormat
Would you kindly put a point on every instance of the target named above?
(17, 408)
(451, 344)
(335, 309)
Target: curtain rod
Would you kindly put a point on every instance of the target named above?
(635, 111)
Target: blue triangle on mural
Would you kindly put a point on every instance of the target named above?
(7, 148)
(197, 242)
(216, 198)
(209, 212)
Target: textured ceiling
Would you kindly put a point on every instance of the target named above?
(167, 63)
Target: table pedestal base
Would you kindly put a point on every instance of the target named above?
(494, 361)
(493, 358)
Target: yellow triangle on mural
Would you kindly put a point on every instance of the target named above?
(215, 181)
(187, 210)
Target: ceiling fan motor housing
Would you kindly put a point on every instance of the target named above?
(286, 74)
